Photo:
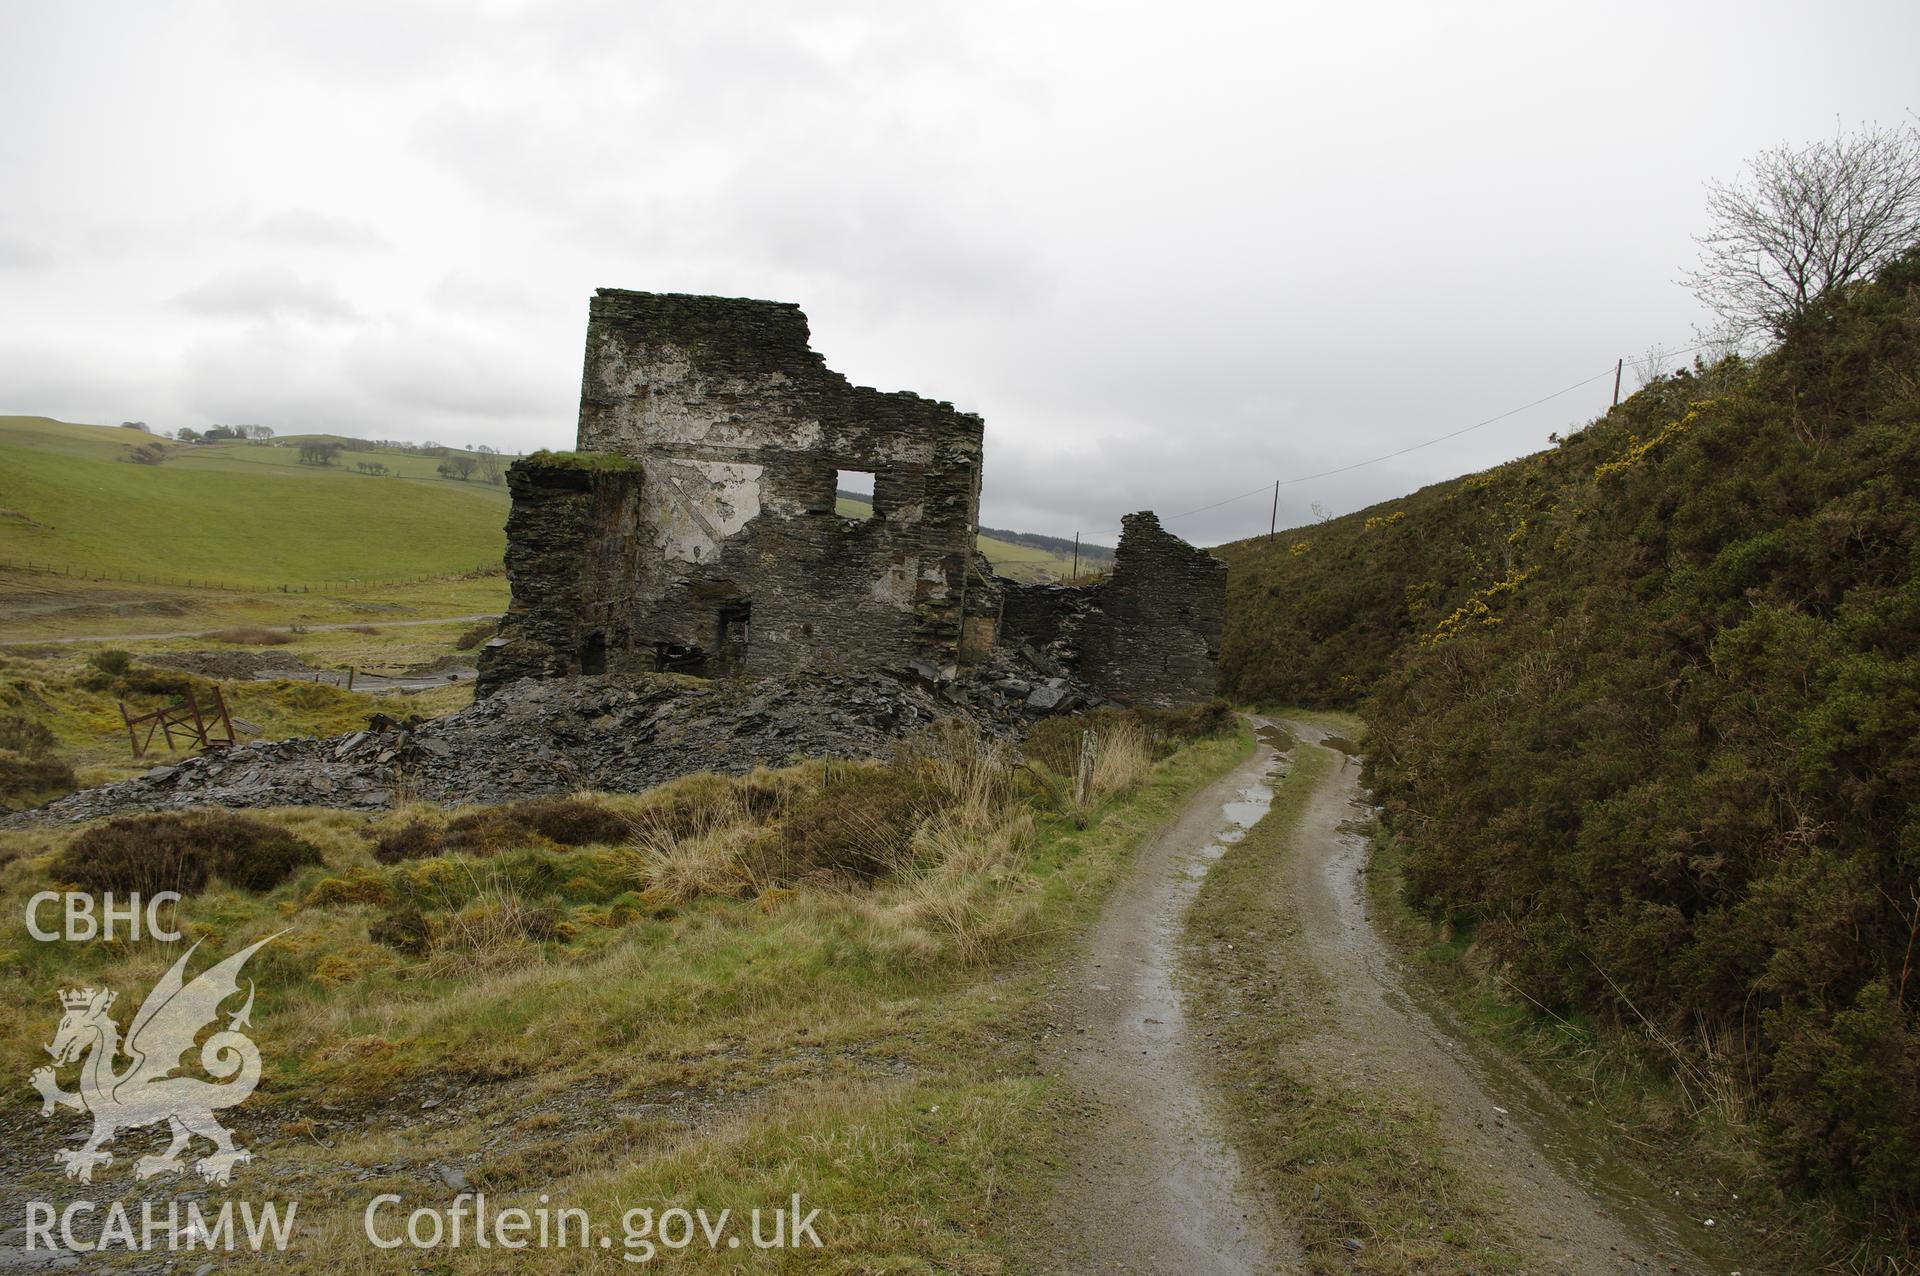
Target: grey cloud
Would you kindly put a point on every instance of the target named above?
(454, 375)
(19, 254)
(1169, 256)
(305, 228)
(266, 293)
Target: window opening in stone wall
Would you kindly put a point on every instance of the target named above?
(853, 493)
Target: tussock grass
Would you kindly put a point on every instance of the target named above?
(1123, 758)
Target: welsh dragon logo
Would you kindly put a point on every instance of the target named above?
(146, 1091)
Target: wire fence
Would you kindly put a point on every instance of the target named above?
(353, 585)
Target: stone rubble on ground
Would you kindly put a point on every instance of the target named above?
(619, 734)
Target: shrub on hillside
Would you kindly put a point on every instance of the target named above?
(1674, 777)
(1055, 742)
(152, 853)
(113, 662)
(416, 839)
(402, 928)
(24, 736)
(252, 636)
(701, 803)
(1193, 722)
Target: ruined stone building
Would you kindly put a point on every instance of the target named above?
(696, 528)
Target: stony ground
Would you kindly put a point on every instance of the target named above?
(616, 734)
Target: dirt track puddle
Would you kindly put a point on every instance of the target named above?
(1159, 1187)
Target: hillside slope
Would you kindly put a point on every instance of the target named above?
(243, 513)
(1645, 717)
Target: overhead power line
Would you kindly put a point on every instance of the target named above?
(1413, 447)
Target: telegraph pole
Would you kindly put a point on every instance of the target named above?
(1273, 520)
(1076, 557)
(1617, 366)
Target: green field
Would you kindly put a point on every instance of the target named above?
(241, 513)
(1019, 562)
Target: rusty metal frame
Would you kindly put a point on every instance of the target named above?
(209, 728)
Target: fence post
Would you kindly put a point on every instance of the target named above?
(1083, 776)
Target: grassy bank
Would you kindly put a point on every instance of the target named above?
(1360, 1170)
(718, 993)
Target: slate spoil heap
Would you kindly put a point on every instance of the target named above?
(619, 734)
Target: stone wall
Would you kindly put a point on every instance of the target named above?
(573, 550)
(1153, 635)
(743, 431)
(1147, 634)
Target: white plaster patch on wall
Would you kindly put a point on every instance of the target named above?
(895, 585)
(694, 505)
(911, 452)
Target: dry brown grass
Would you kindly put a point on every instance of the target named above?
(1123, 757)
(496, 929)
(729, 860)
(967, 897)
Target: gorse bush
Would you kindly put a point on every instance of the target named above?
(168, 852)
(1669, 773)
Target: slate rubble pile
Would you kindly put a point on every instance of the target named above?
(613, 733)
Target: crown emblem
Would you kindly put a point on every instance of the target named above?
(84, 998)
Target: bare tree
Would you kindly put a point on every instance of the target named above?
(1652, 365)
(489, 459)
(1804, 221)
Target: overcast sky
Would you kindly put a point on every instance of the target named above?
(1170, 252)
